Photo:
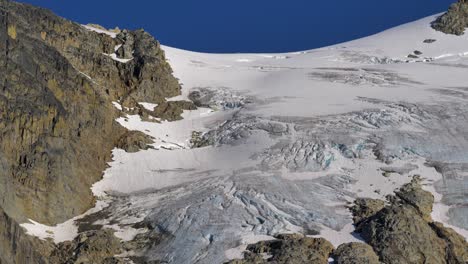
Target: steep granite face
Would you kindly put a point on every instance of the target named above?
(455, 20)
(58, 80)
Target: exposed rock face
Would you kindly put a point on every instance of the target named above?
(414, 195)
(291, 249)
(17, 247)
(403, 232)
(457, 247)
(355, 253)
(365, 207)
(57, 126)
(98, 247)
(455, 21)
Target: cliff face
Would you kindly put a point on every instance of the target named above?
(455, 20)
(57, 129)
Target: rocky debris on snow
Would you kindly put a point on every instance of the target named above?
(288, 248)
(429, 41)
(403, 231)
(455, 20)
(134, 141)
(198, 141)
(355, 253)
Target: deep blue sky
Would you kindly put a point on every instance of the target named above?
(248, 25)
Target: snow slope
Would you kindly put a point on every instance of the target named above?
(295, 137)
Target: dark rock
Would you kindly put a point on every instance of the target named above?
(455, 20)
(429, 41)
(355, 253)
(417, 52)
(412, 56)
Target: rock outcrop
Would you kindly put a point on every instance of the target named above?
(288, 248)
(58, 80)
(355, 253)
(133, 141)
(364, 208)
(455, 20)
(403, 231)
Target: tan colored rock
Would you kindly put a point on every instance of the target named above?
(288, 248)
(364, 208)
(457, 247)
(134, 141)
(403, 232)
(413, 194)
(355, 253)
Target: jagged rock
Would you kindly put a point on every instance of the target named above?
(414, 195)
(400, 235)
(133, 141)
(457, 251)
(364, 208)
(95, 247)
(402, 232)
(288, 248)
(125, 51)
(455, 20)
(355, 253)
(58, 122)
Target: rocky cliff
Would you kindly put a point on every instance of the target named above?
(58, 80)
